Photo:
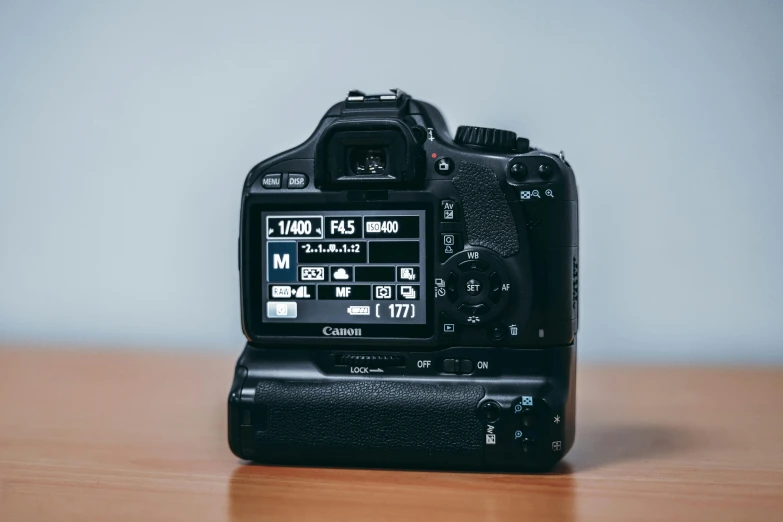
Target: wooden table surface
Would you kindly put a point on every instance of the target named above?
(134, 435)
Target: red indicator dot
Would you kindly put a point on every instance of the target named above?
(434, 155)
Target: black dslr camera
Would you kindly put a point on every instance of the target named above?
(409, 300)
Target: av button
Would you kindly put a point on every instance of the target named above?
(449, 210)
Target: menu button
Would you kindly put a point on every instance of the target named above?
(272, 181)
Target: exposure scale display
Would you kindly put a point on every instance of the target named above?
(345, 267)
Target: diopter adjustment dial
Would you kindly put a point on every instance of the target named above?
(486, 138)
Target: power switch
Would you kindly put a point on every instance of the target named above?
(450, 365)
(457, 366)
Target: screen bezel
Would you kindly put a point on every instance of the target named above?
(253, 269)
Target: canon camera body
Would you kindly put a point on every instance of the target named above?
(409, 299)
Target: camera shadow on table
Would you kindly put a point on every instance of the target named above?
(599, 445)
(322, 493)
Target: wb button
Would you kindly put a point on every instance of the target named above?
(281, 262)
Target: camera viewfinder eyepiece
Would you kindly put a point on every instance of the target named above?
(370, 146)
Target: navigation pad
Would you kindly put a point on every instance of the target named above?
(477, 286)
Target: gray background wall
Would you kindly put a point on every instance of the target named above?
(126, 130)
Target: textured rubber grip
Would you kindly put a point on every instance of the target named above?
(488, 219)
(370, 415)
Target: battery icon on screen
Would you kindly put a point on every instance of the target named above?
(358, 310)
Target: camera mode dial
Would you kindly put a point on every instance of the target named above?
(486, 138)
(477, 286)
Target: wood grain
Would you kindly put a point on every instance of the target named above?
(133, 435)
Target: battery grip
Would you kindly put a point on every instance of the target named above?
(459, 408)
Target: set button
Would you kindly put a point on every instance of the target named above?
(473, 287)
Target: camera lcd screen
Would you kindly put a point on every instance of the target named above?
(344, 267)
